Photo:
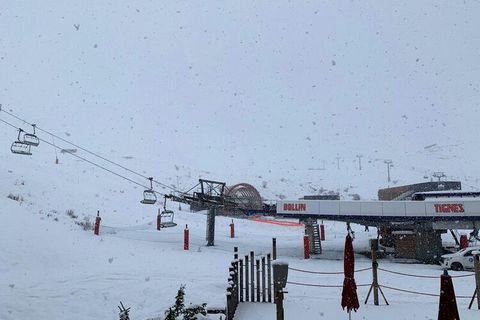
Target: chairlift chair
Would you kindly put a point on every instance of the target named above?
(31, 139)
(149, 196)
(20, 147)
(167, 216)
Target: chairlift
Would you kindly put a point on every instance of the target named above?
(31, 139)
(20, 147)
(149, 196)
(167, 217)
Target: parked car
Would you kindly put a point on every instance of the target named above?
(460, 260)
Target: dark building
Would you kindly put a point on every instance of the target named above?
(321, 197)
(406, 192)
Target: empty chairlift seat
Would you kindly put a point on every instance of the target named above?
(149, 196)
(167, 219)
(19, 147)
(31, 138)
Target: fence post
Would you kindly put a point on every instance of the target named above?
(235, 285)
(269, 277)
(236, 265)
(186, 238)
(96, 230)
(274, 248)
(306, 247)
(229, 304)
(247, 287)
(252, 275)
(263, 280)
(240, 271)
(280, 275)
(258, 280)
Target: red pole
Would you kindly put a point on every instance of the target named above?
(159, 220)
(232, 230)
(96, 231)
(306, 247)
(186, 241)
(322, 232)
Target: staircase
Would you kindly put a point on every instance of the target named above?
(317, 244)
(312, 229)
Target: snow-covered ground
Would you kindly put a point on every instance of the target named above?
(54, 269)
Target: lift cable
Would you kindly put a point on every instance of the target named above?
(88, 151)
(90, 162)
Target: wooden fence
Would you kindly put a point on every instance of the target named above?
(249, 280)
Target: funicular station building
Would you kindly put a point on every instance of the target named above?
(410, 219)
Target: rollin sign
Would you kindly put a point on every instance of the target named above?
(294, 207)
(449, 208)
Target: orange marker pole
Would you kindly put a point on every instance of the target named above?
(232, 230)
(306, 247)
(186, 236)
(96, 231)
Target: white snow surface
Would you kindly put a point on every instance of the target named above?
(266, 93)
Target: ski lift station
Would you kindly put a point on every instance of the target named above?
(412, 226)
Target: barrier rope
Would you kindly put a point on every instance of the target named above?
(326, 273)
(422, 276)
(368, 285)
(323, 285)
(420, 293)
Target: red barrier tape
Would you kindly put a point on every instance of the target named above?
(323, 285)
(280, 223)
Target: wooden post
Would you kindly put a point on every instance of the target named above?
(269, 277)
(274, 248)
(477, 278)
(477, 282)
(263, 281)
(231, 281)
(322, 232)
(279, 304)
(280, 275)
(258, 280)
(252, 275)
(235, 283)
(375, 277)
(229, 303)
(240, 271)
(375, 286)
(247, 287)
